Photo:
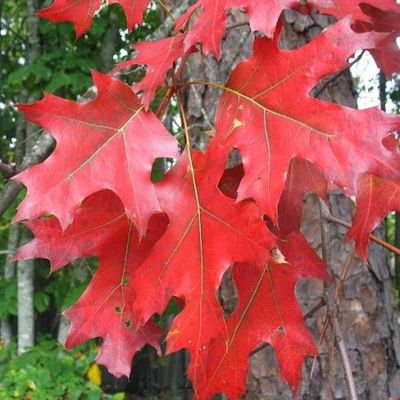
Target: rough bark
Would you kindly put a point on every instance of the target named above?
(108, 48)
(201, 100)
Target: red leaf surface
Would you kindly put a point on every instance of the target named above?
(207, 232)
(105, 308)
(303, 177)
(342, 142)
(134, 10)
(375, 198)
(159, 57)
(107, 143)
(267, 312)
(209, 27)
(387, 53)
(81, 12)
(375, 15)
(342, 8)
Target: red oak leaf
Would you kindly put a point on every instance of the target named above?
(100, 218)
(107, 143)
(207, 232)
(159, 57)
(105, 308)
(375, 15)
(387, 53)
(209, 27)
(267, 312)
(342, 8)
(81, 12)
(303, 177)
(375, 198)
(134, 10)
(341, 142)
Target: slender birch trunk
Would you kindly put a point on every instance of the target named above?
(26, 268)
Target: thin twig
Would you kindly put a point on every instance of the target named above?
(237, 25)
(14, 32)
(314, 309)
(330, 301)
(167, 10)
(8, 252)
(348, 373)
(8, 169)
(200, 103)
(172, 89)
(345, 271)
(43, 147)
(383, 243)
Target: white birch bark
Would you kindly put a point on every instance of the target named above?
(26, 268)
(26, 318)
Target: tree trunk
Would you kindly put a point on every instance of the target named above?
(26, 317)
(14, 232)
(26, 268)
(9, 272)
(366, 305)
(79, 272)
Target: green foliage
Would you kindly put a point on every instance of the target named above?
(394, 93)
(62, 290)
(48, 372)
(8, 304)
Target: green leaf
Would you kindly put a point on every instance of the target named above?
(41, 301)
(57, 81)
